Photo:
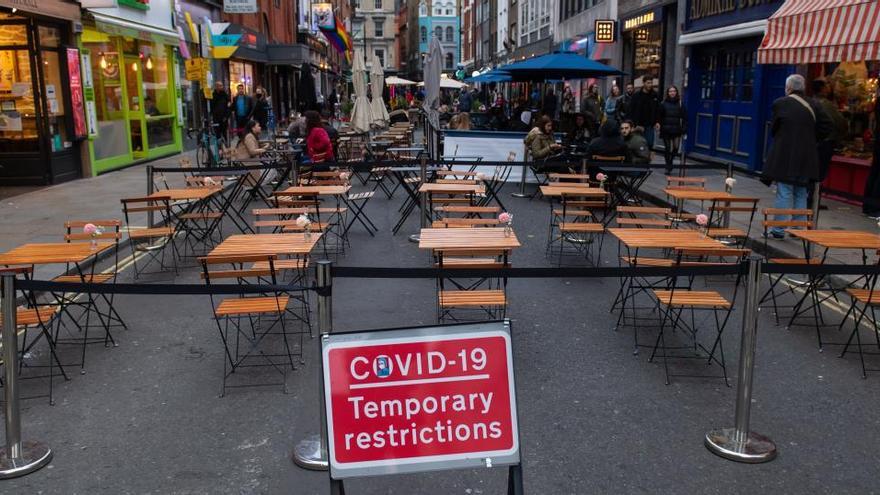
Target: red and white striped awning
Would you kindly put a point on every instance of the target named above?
(814, 31)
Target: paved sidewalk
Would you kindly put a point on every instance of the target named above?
(839, 215)
(39, 216)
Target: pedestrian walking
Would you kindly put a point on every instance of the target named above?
(672, 123)
(567, 101)
(793, 162)
(642, 109)
(611, 103)
(261, 107)
(624, 102)
(220, 110)
(243, 108)
(839, 128)
(591, 106)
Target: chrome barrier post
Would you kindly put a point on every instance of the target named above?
(311, 452)
(522, 180)
(150, 190)
(739, 443)
(17, 458)
(817, 191)
(423, 200)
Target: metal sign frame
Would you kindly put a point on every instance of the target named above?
(510, 457)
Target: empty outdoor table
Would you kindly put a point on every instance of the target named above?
(467, 239)
(314, 190)
(696, 194)
(52, 253)
(663, 238)
(573, 189)
(186, 194)
(295, 244)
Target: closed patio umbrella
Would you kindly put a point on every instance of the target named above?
(361, 114)
(377, 77)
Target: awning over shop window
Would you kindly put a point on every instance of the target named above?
(120, 27)
(816, 31)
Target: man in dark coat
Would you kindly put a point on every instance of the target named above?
(642, 109)
(548, 107)
(220, 110)
(793, 162)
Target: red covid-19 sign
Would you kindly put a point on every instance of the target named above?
(420, 400)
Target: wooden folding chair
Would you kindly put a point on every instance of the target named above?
(675, 299)
(719, 213)
(241, 321)
(150, 241)
(107, 318)
(487, 295)
(573, 226)
(869, 297)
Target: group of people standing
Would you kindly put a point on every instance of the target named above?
(641, 112)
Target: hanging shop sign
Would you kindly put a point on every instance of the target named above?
(240, 6)
(605, 31)
(196, 68)
(91, 110)
(642, 19)
(76, 93)
(420, 399)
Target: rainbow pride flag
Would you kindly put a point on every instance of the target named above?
(335, 32)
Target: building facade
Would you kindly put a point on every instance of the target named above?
(374, 30)
(729, 95)
(535, 30)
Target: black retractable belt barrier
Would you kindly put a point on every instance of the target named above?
(602, 272)
(152, 289)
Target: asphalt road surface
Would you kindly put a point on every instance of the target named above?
(594, 418)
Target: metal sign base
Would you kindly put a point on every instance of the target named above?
(307, 454)
(755, 449)
(34, 455)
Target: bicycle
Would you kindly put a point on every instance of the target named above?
(210, 148)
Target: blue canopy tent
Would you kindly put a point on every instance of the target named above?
(493, 76)
(558, 65)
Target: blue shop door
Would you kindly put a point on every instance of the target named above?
(701, 103)
(772, 81)
(736, 123)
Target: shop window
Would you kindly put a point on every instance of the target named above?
(728, 76)
(50, 37)
(449, 61)
(18, 118)
(748, 76)
(438, 33)
(449, 34)
(54, 99)
(158, 104)
(110, 100)
(424, 34)
(707, 77)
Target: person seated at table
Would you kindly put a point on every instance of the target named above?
(497, 119)
(579, 135)
(637, 150)
(297, 127)
(609, 143)
(460, 121)
(319, 148)
(540, 140)
(249, 141)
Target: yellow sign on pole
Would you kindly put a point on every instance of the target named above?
(196, 69)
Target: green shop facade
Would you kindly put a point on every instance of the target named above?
(131, 84)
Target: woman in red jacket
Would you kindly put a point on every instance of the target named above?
(318, 145)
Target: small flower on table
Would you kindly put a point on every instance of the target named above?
(304, 222)
(94, 231)
(703, 221)
(730, 182)
(507, 219)
(601, 178)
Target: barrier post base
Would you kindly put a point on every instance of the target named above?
(754, 449)
(34, 455)
(415, 238)
(307, 454)
(520, 195)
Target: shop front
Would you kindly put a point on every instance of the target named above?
(134, 98)
(848, 60)
(729, 96)
(643, 36)
(42, 123)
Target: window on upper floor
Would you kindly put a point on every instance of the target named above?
(449, 61)
(424, 34)
(438, 32)
(379, 28)
(449, 33)
(380, 54)
(378, 4)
